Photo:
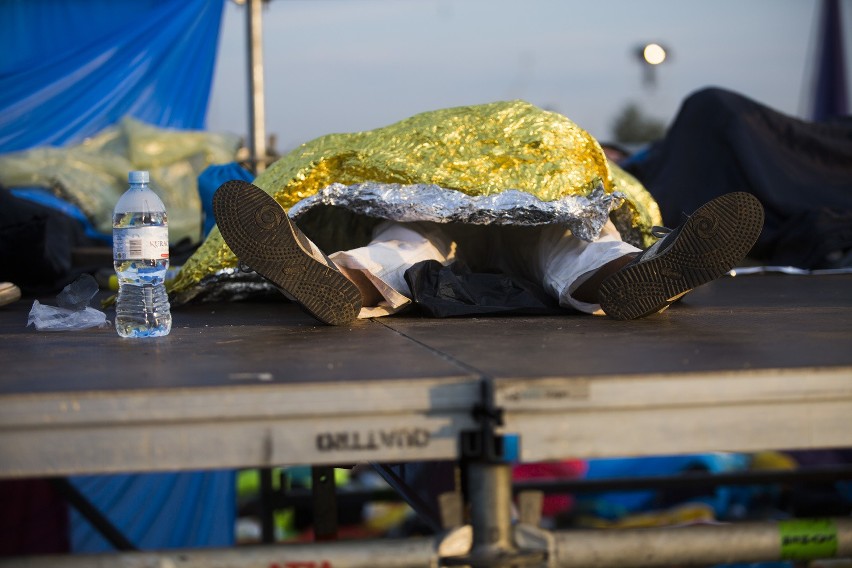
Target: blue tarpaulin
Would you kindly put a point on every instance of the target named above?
(159, 510)
(209, 181)
(69, 70)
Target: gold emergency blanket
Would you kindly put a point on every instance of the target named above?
(478, 150)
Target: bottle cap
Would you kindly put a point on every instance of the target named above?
(138, 177)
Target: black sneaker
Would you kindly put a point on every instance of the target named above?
(262, 236)
(705, 246)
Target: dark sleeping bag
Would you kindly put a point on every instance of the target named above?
(801, 171)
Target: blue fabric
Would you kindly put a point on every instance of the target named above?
(159, 510)
(209, 181)
(78, 68)
(70, 70)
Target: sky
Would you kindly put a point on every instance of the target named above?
(352, 65)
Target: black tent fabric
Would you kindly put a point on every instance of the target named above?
(721, 141)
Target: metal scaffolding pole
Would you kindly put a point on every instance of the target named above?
(701, 545)
(257, 113)
(408, 553)
(704, 544)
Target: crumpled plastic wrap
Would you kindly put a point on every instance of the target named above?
(480, 151)
(52, 318)
(93, 175)
(73, 312)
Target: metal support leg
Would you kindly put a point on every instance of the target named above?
(267, 508)
(490, 494)
(488, 483)
(325, 503)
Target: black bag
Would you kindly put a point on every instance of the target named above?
(454, 290)
(36, 244)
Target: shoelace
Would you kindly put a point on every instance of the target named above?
(660, 232)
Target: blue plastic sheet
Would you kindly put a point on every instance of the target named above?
(159, 510)
(71, 69)
(209, 181)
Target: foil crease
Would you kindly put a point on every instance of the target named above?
(481, 150)
(584, 215)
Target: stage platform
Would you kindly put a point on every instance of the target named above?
(743, 364)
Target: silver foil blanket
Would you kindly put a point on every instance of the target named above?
(585, 216)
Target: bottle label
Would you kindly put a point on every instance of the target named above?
(136, 243)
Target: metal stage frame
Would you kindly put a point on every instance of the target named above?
(743, 364)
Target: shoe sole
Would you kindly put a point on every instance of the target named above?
(712, 241)
(259, 232)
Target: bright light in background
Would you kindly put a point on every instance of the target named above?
(654, 54)
(650, 55)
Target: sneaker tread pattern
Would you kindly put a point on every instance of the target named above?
(712, 241)
(261, 235)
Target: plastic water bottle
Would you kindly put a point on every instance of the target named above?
(140, 252)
